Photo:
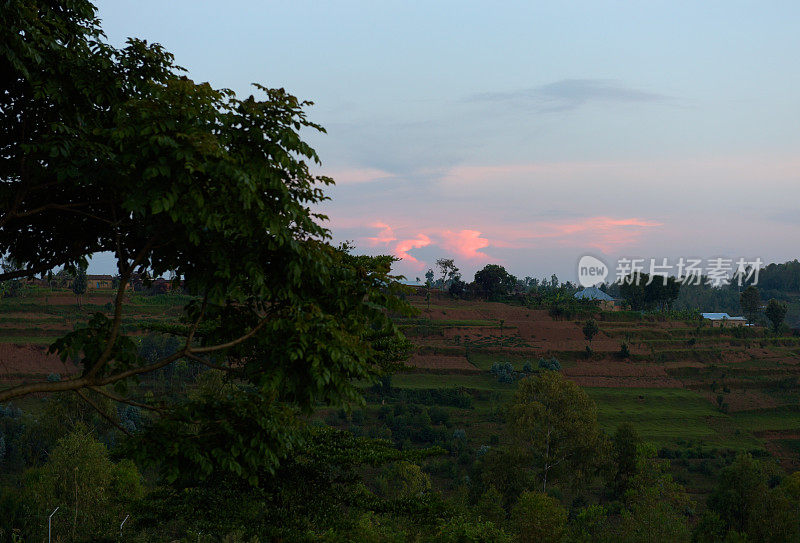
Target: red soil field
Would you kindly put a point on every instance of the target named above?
(67, 299)
(772, 440)
(609, 373)
(436, 362)
(30, 359)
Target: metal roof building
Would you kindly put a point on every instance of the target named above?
(593, 293)
(721, 317)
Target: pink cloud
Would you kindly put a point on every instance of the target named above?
(384, 237)
(604, 233)
(402, 248)
(466, 243)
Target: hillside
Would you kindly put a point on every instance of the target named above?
(699, 394)
(685, 385)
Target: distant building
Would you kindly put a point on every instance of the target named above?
(607, 303)
(94, 282)
(723, 319)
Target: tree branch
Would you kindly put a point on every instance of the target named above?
(232, 343)
(120, 399)
(193, 329)
(84, 382)
(208, 364)
(123, 281)
(105, 415)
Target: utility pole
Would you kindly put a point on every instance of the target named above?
(50, 523)
(121, 525)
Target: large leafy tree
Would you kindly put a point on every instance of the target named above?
(642, 291)
(79, 477)
(115, 150)
(750, 301)
(555, 423)
(494, 281)
(776, 313)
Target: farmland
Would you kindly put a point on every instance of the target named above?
(695, 393)
(688, 388)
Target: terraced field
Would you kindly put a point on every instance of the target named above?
(683, 384)
(29, 325)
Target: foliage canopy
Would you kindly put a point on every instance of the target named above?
(115, 150)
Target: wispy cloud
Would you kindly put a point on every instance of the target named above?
(568, 94)
(607, 234)
(402, 248)
(385, 236)
(465, 243)
(604, 233)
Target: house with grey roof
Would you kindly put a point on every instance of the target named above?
(595, 294)
(723, 319)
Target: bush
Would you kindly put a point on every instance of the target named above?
(538, 517)
(551, 364)
(504, 372)
(439, 415)
(466, 530)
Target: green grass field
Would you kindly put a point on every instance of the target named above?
(780, 418)
(665, 416)
(426, 380)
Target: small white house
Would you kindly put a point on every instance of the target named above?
(723, 319)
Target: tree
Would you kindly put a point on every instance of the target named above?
(490, 506)
(429, 278)
(467, 530)
(79, 477)
(654, 505)
(457, 286)
(750, 301)
(539, 517)
(11, 288)
(320, 491)
(555, 422)
(448, 269)
(642, 291)
(590, 329)
(625, 445)
(494, 281)
(79, 284)
(744, 503)
(776, 313)
(115, 150)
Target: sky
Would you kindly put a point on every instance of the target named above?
(526, 134)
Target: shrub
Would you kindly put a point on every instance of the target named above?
(551, 364)
(439, 415)
(504, 372)
(466, 530)
(538, 517)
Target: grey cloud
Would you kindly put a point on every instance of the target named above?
(569, 94)
(786, 216)
(407, 149)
